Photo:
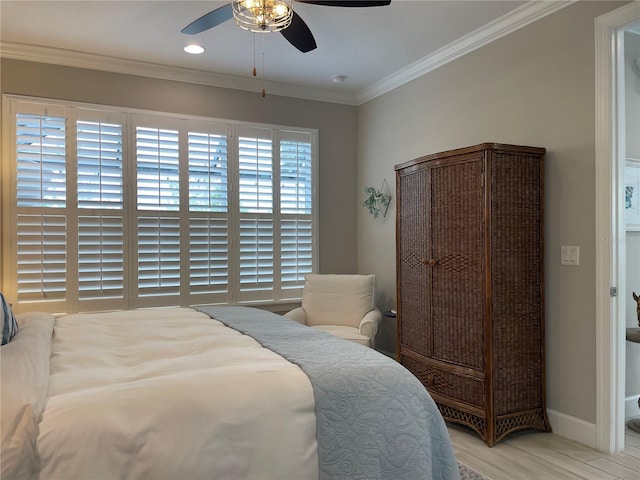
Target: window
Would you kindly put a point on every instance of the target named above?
(121, 209)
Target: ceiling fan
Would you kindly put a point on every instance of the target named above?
(293, 28)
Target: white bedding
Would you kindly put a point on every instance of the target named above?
(24, 364)
(106, 389)
(173, 394)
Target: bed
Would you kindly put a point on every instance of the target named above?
(214, 392)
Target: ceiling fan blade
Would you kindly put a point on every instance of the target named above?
(351, 3)
(299, 35)
(209, 20)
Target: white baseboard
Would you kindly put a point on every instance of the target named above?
(573, 428)
(631, 408)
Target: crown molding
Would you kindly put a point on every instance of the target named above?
(518, 18)
(71, 58)
(508, 23)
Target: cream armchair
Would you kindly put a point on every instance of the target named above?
(342, 305)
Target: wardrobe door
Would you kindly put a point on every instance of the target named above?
(414, 283)
(457, 275)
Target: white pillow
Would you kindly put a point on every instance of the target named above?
(334, 299)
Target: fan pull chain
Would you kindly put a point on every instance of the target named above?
(254, 55)
(264, 92)
(255, 71)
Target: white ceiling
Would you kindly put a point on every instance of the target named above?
(367, 45)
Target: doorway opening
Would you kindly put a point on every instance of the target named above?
(630, 186)
(611, 229)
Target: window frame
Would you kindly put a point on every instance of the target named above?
(74, 111)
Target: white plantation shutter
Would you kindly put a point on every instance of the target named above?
(121, 209)
(255, 187)
(40, 221)
(101, 225)
(158, 191)
(208, 216)
(296, 206)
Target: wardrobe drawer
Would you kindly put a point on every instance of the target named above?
(439, 381)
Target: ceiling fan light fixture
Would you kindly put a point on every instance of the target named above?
(262, 16)
(194, 49)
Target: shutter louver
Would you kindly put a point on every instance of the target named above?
(295, 178)
(296, 252)
(256, 254)
(41, 161)
(256, 175)
(158, 255)
(100, 181)
(208, 255)
(157, 165)
(100, 257)
(42, 257)
(208, 177)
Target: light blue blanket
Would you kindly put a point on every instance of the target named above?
(374, 419)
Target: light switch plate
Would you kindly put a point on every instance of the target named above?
(570, 255)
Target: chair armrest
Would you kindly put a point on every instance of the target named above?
(370, 324)
(297, 314)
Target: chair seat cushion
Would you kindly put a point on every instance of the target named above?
(348, 333)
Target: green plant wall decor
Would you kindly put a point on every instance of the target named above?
(377, 201)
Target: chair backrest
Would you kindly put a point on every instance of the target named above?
(337, 299)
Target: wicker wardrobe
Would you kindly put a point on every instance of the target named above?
(470, 284)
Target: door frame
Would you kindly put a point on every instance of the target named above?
(610, 233)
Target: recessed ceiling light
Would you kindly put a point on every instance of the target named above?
(194, 49)
(338, 78)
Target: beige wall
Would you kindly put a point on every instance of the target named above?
(533, 87)
(336, 125)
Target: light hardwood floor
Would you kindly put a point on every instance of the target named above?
(531, 455)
